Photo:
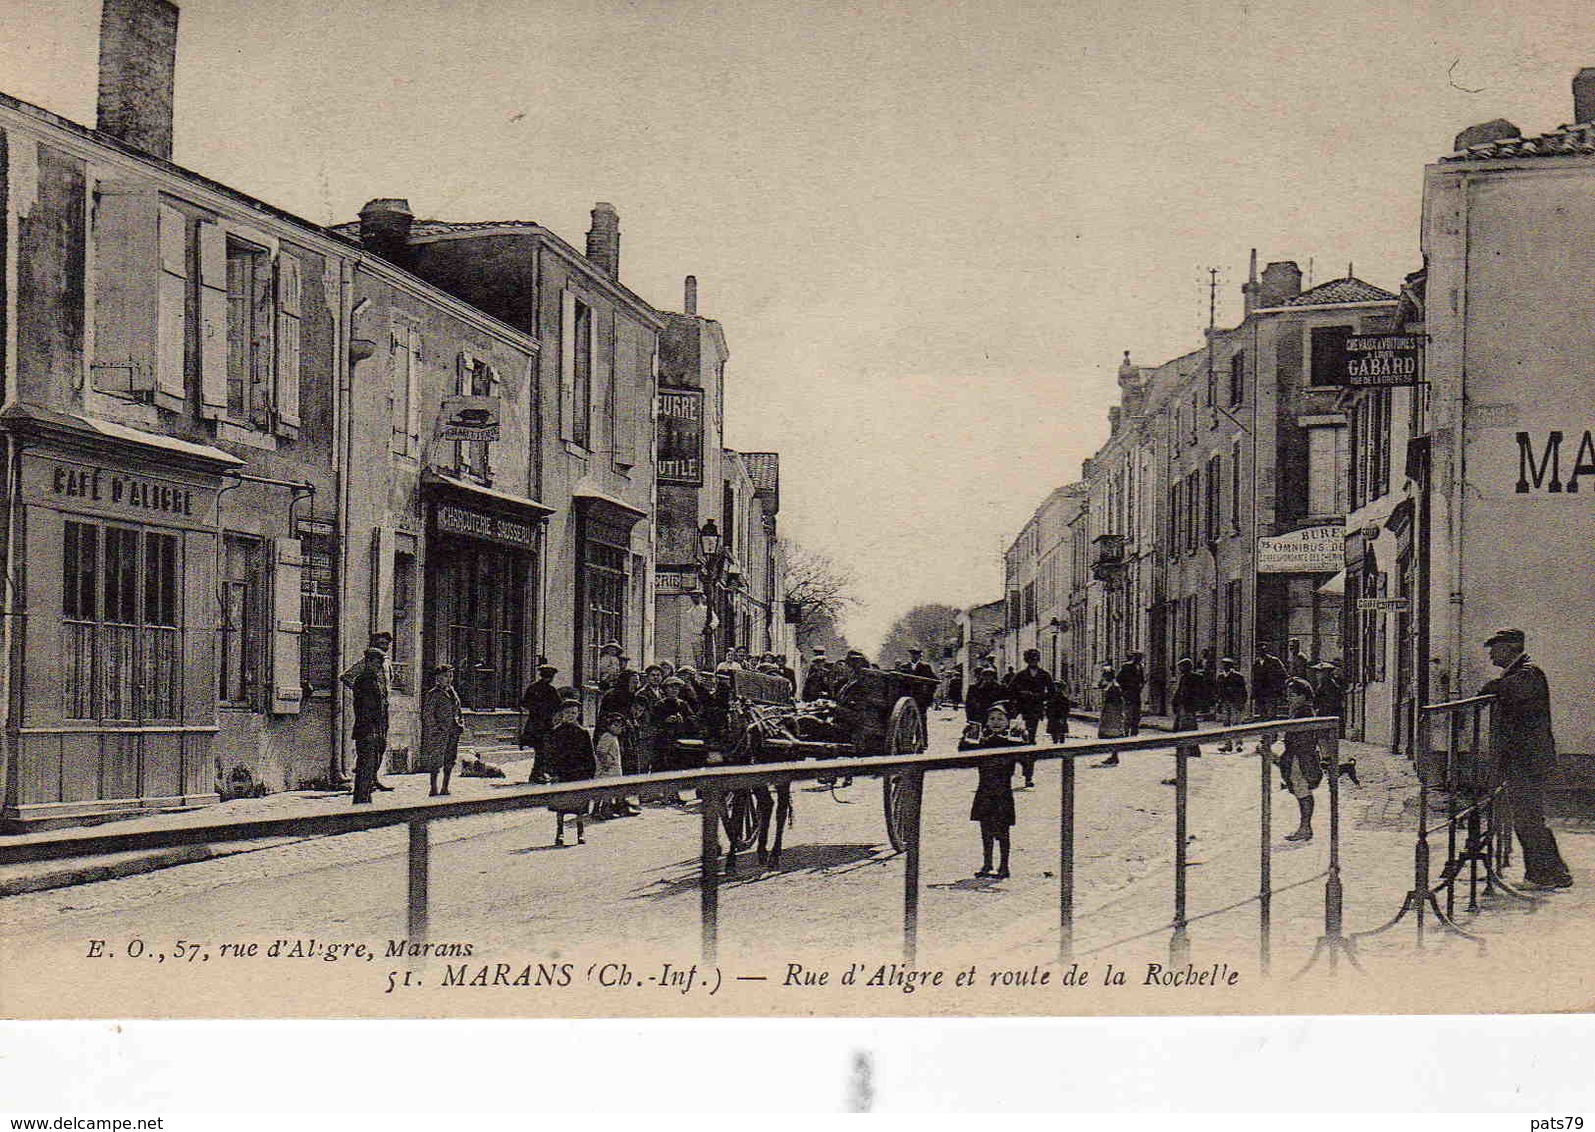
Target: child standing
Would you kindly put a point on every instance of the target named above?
(570, 758)
(1301, 766)
(993, 806)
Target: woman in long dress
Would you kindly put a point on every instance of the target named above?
(442, 724)
(1114, 722)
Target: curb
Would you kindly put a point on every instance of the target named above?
(133, 864)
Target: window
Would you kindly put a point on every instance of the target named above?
(123, 649)
(249, 331)
(1232, 618)
(243, 630)
(401, 665)
(318, 611)
(605, 586)
(1176, 516)
(1329, 354)
(478, 379)
(404, 345)
(582, 376)
(1235, 487)
(1214, 496)
(1237, 378)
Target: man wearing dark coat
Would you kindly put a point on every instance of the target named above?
(1131, 678)
(370, 687)
(1525, 750)
(984, 692)
(1269, 675)
(924, 695)
(540, 701)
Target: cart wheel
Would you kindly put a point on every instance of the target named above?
(741, 819)
(905, 735)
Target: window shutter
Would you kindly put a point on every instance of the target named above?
(290, 284)
(567, 364)
(633, 388)
(124, 318)
(382, 543)
(213, 319)
(287, 626)
(412, 421)
(171, 378)
(596, 389)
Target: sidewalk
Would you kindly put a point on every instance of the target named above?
(407, 789)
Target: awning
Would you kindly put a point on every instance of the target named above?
(1336, 586)
(71, 428)
(439, 481)
(615, 510)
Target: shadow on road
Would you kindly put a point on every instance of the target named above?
(831, 859)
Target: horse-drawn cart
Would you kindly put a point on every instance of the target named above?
(755, 720)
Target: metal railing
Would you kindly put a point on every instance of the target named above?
(1477, 825)
(714, 783)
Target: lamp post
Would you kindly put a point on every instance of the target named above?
(711, 568)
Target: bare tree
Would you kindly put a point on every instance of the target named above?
(933, 629)
(817, 592)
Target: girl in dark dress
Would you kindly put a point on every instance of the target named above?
(993, 807)
(570, 758)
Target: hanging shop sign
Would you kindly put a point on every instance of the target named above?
(680, 458)
(452, 519)
(676, 581)
(1312, 550)
(1384, 359)
(469, 417)
(1384, 604)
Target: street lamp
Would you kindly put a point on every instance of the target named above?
(711, 569)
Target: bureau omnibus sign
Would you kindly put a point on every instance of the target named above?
(1312, 550)
(1384, 359)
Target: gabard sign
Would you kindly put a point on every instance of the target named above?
(1384, 359)
(1312, 550)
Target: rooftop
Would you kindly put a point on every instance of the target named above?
(764, 469)
(1347, 290)
(1568, 141)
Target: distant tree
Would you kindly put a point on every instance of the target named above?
(817, 593)
(933, 629)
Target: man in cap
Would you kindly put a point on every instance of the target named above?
(367, 669)
(369, 684)
(540, 701)
(1131, 678)
(1525, 751)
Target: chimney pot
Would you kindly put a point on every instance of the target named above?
(1281, 282)
(689, 301)
(385, 228)
(1584, 96)
(1496, 129)
(603, 239)
(138, 64)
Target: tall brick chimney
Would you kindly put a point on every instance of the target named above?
(385, 228)
(138, 64)
(1281, 283)
(603, 239)
(1496, 129)
(689, 300)
(1584, 96)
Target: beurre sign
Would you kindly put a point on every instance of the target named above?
(99, 485)
(452, 519)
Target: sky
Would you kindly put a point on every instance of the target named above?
(929, 229)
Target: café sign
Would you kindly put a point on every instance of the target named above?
(1312, 550)
(1384, 604)
(1384, 359)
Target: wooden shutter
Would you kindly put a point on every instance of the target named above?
(382, 543)
(125, 254)
(287, 626)
(213, 320)
(290, 287)
(171, 354)
(567, 364)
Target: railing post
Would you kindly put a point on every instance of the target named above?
(1453, 776)
(1334, 894)
(914, 784)
(419, 862)
(1420, 850)
(1179, 943)
(1265, 861)
(711, 796)
(1066, 860)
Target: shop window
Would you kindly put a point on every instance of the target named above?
(318, 612)
(481, 596)
(248, 334)
(243, 628)
(122, 646)
(604, 585)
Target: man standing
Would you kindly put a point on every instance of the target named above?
(1032, 689)
(1296, 662)
(540, 703)
(786, 670)
(1268, 683)
(382, 643)
(924, 696)
(1131, 679)
(1525, 750)
(370, 721)
(1230, 689)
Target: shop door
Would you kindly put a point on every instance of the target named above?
(480, 618)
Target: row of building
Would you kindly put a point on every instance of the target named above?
(1383, 476)
(237, 444)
